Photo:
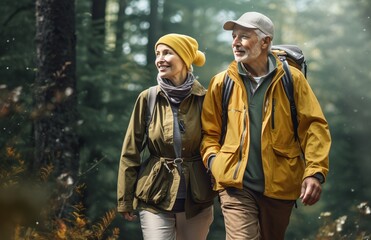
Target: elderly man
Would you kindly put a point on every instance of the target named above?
(259, 170)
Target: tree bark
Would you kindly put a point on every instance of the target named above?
(55, 95)
(120, 28)
(153, 31)
(98, 17)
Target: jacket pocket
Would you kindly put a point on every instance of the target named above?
(288, 170)
(200, 183)
(225, 165)
(153, 183)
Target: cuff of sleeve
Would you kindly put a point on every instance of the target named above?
(210, 161)
(122, 207)
(319, 177)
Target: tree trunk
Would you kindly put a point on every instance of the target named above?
(98, 17)
(153, 32)
(120, 28)
(55, 117)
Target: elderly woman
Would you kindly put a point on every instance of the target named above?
(170, 189)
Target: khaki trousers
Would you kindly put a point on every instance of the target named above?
(249, 215)
(171, 226)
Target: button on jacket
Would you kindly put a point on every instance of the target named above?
(283, 167)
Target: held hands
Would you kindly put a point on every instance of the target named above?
(129, 216)
(310, 191)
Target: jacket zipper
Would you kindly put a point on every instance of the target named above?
(273, 110)
(241, 145)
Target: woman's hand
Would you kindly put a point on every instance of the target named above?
(129, 216)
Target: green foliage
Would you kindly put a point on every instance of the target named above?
(16, 71)
(36, 209)
(343, 85)
(108, 86)
(335, 37)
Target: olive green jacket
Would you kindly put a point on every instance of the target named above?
(135, 188)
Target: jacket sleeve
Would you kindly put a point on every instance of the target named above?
(313, 128)
(130, 155)
(211, 118)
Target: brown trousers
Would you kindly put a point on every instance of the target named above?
(250, 215)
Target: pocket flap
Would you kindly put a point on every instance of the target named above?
(292, 151)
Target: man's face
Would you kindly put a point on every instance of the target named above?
(246, 45)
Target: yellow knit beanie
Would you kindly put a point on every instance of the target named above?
(185, 46)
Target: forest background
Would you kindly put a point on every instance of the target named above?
(70, 72)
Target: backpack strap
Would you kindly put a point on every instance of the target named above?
(289, 90)
(226, 94)
(151, 101)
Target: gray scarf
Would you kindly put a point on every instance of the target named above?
(176, 94)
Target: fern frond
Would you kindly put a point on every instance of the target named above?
(45, 172)
(79, 207)
(100, 228)
(79, 189)
(115, 234)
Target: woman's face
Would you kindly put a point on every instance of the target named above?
(170, 65)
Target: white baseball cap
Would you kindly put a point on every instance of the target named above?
(253, 20)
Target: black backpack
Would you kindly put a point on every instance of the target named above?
(289, 55)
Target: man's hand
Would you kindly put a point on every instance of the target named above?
(310, 191)
(129, 216)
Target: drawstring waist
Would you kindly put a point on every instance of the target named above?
(183, 159)
(172, 163)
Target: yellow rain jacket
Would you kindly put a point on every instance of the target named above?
(283, 167)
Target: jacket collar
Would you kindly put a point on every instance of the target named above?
(275, 68)
(198, 89)
(271, 66)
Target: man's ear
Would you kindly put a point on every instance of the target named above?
(266, 42)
